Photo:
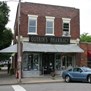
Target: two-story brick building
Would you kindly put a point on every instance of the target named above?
(50, 38)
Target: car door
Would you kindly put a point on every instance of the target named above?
(77, 74)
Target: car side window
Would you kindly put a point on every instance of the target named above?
(70, 70)
(77, 70)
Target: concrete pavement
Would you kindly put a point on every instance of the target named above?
(6, 79)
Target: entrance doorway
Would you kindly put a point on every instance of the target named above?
(47, 63)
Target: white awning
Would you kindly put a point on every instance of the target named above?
(69, 48)
(10, 49)
(35, 47)
(66, 48)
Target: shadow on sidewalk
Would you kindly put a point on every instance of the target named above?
(5, 75)
(6, 78)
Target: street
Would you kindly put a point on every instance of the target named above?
(48, 87)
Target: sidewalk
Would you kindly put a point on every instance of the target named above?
(6, 79)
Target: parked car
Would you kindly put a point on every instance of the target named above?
(77, 74)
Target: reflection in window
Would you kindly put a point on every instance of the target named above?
(30, 62)
(35, 62)
(67, 61)
(25, 61)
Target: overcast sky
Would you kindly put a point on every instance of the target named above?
(83, 5)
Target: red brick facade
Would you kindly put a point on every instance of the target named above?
(49, 10)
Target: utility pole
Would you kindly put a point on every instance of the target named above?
(19, 44)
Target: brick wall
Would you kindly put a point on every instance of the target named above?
(43, 10)
(84, 57)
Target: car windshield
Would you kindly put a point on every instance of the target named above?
(86, 69)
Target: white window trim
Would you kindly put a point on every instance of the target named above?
(49, 18)
(67, 20)
(34, 17)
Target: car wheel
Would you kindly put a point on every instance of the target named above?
(67, 79)
(89, 79)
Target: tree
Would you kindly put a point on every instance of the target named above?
(85, 37)
(4, 14)
(6, 35)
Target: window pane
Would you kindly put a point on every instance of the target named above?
(35, 62)
(49, 24)
(49, 30)
(32, 23)
(65, 29)
(49, 27)
(32, 26)
(25, 62)
(66, 25)
(75, 69)
(27, 59)
(32, 29)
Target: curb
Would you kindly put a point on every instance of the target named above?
(35, 82)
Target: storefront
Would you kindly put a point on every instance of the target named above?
(41, 59)
(36, 64)
(42, 55)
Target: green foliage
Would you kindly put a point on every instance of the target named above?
(6, 38)
(85, 37)
(4, 14)
(6, 35)
(4, 56)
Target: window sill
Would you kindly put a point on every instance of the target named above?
(49, 35)
(66, 35)
(32, 34)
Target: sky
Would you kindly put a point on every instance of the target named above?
(83, 5)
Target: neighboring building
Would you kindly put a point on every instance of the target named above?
(86, 56)
(50, 38)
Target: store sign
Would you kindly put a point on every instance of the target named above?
(49, 39)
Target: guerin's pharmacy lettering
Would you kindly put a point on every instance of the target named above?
(49, 39)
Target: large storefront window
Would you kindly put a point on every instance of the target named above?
(30, 62)
(35, 65)
(63, 62)
(67, 61)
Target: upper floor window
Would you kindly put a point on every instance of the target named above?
(49, 25)
(32, 24)
(66, 26)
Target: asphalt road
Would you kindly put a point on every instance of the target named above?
(48, 87)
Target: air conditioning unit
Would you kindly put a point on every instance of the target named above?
(65, 33)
